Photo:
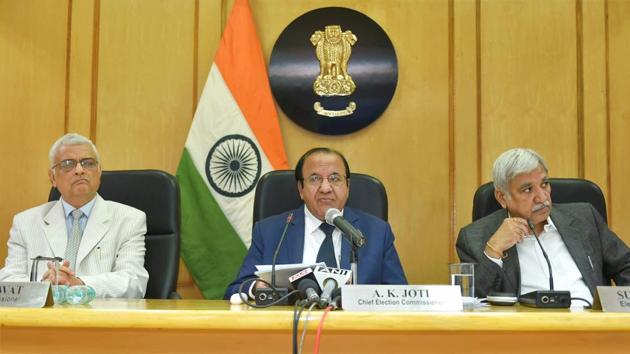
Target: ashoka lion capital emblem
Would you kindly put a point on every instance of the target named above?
(333, 48)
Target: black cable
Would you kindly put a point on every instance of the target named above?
(582, 299)
(296, 320)
(294, 329)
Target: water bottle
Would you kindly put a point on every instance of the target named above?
(59, 293)
(80, 294)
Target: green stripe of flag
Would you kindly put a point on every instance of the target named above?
(211, 249)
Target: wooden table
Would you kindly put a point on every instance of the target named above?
(204, 326)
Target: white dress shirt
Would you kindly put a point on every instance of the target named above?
(314, 237)
(534, 270)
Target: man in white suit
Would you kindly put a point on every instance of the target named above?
(101, 242)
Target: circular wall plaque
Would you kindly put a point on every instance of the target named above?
(333, 71)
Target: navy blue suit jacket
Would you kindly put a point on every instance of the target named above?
(378, 259)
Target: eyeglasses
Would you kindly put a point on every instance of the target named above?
(335, 180)
(68, 165)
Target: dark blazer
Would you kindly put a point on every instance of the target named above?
(583, 231)
(378, 259)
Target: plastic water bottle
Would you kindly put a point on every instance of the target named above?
(59, 293)
(80, 294)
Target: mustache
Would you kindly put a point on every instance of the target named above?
(541, 206)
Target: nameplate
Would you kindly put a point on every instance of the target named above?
(401, 298)
(614, 298)
(25, 294)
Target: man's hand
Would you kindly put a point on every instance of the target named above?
(260, 284)
(63, 276)
(511, 231)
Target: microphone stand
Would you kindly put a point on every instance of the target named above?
(354, 263)
(354, 257)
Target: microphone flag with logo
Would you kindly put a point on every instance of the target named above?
(234, 139)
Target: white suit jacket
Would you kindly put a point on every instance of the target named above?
(110, 257)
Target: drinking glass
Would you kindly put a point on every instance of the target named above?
(463, 274)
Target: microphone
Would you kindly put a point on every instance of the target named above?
(277, 250)
(336, 299)
(328, 287)
(335, 218)
(545, 298)
(306, 283)
(330, 279)
(307, 287)
(266, 296)
(532, 226)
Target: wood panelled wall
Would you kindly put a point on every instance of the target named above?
(475, 77)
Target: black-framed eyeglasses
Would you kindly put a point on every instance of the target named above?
(68, 165)
(335, 180)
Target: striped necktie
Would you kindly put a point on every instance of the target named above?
(75, 239)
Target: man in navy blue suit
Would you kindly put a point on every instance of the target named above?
(322, 177)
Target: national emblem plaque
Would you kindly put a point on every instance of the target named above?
(333, 71)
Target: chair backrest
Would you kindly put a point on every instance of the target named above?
(563, 190)
(157, 194)
(277, 192)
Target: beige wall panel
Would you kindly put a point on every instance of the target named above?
(465, 110)
(528, 81)
(32, 91)
(619, 54)
(595, 113)
(211, 17)
(145, 76)
(81, 65)
(407, 148)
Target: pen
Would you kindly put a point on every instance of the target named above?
(590, 261)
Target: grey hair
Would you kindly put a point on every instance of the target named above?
(513, 163)
(70, 139)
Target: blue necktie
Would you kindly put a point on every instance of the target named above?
(72, 247)
(326, 252)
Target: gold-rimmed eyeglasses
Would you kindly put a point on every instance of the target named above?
(68, 165)
(335, 180)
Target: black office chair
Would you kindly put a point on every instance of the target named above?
(277, 192)
(157, 194)
(563, 190)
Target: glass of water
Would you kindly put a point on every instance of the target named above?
(463, 274)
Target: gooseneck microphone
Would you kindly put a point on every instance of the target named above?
(273, 295)
(545, 298)
(335, 218)
(532, 227)
(277, 250)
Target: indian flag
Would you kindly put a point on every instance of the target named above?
(233, 140)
